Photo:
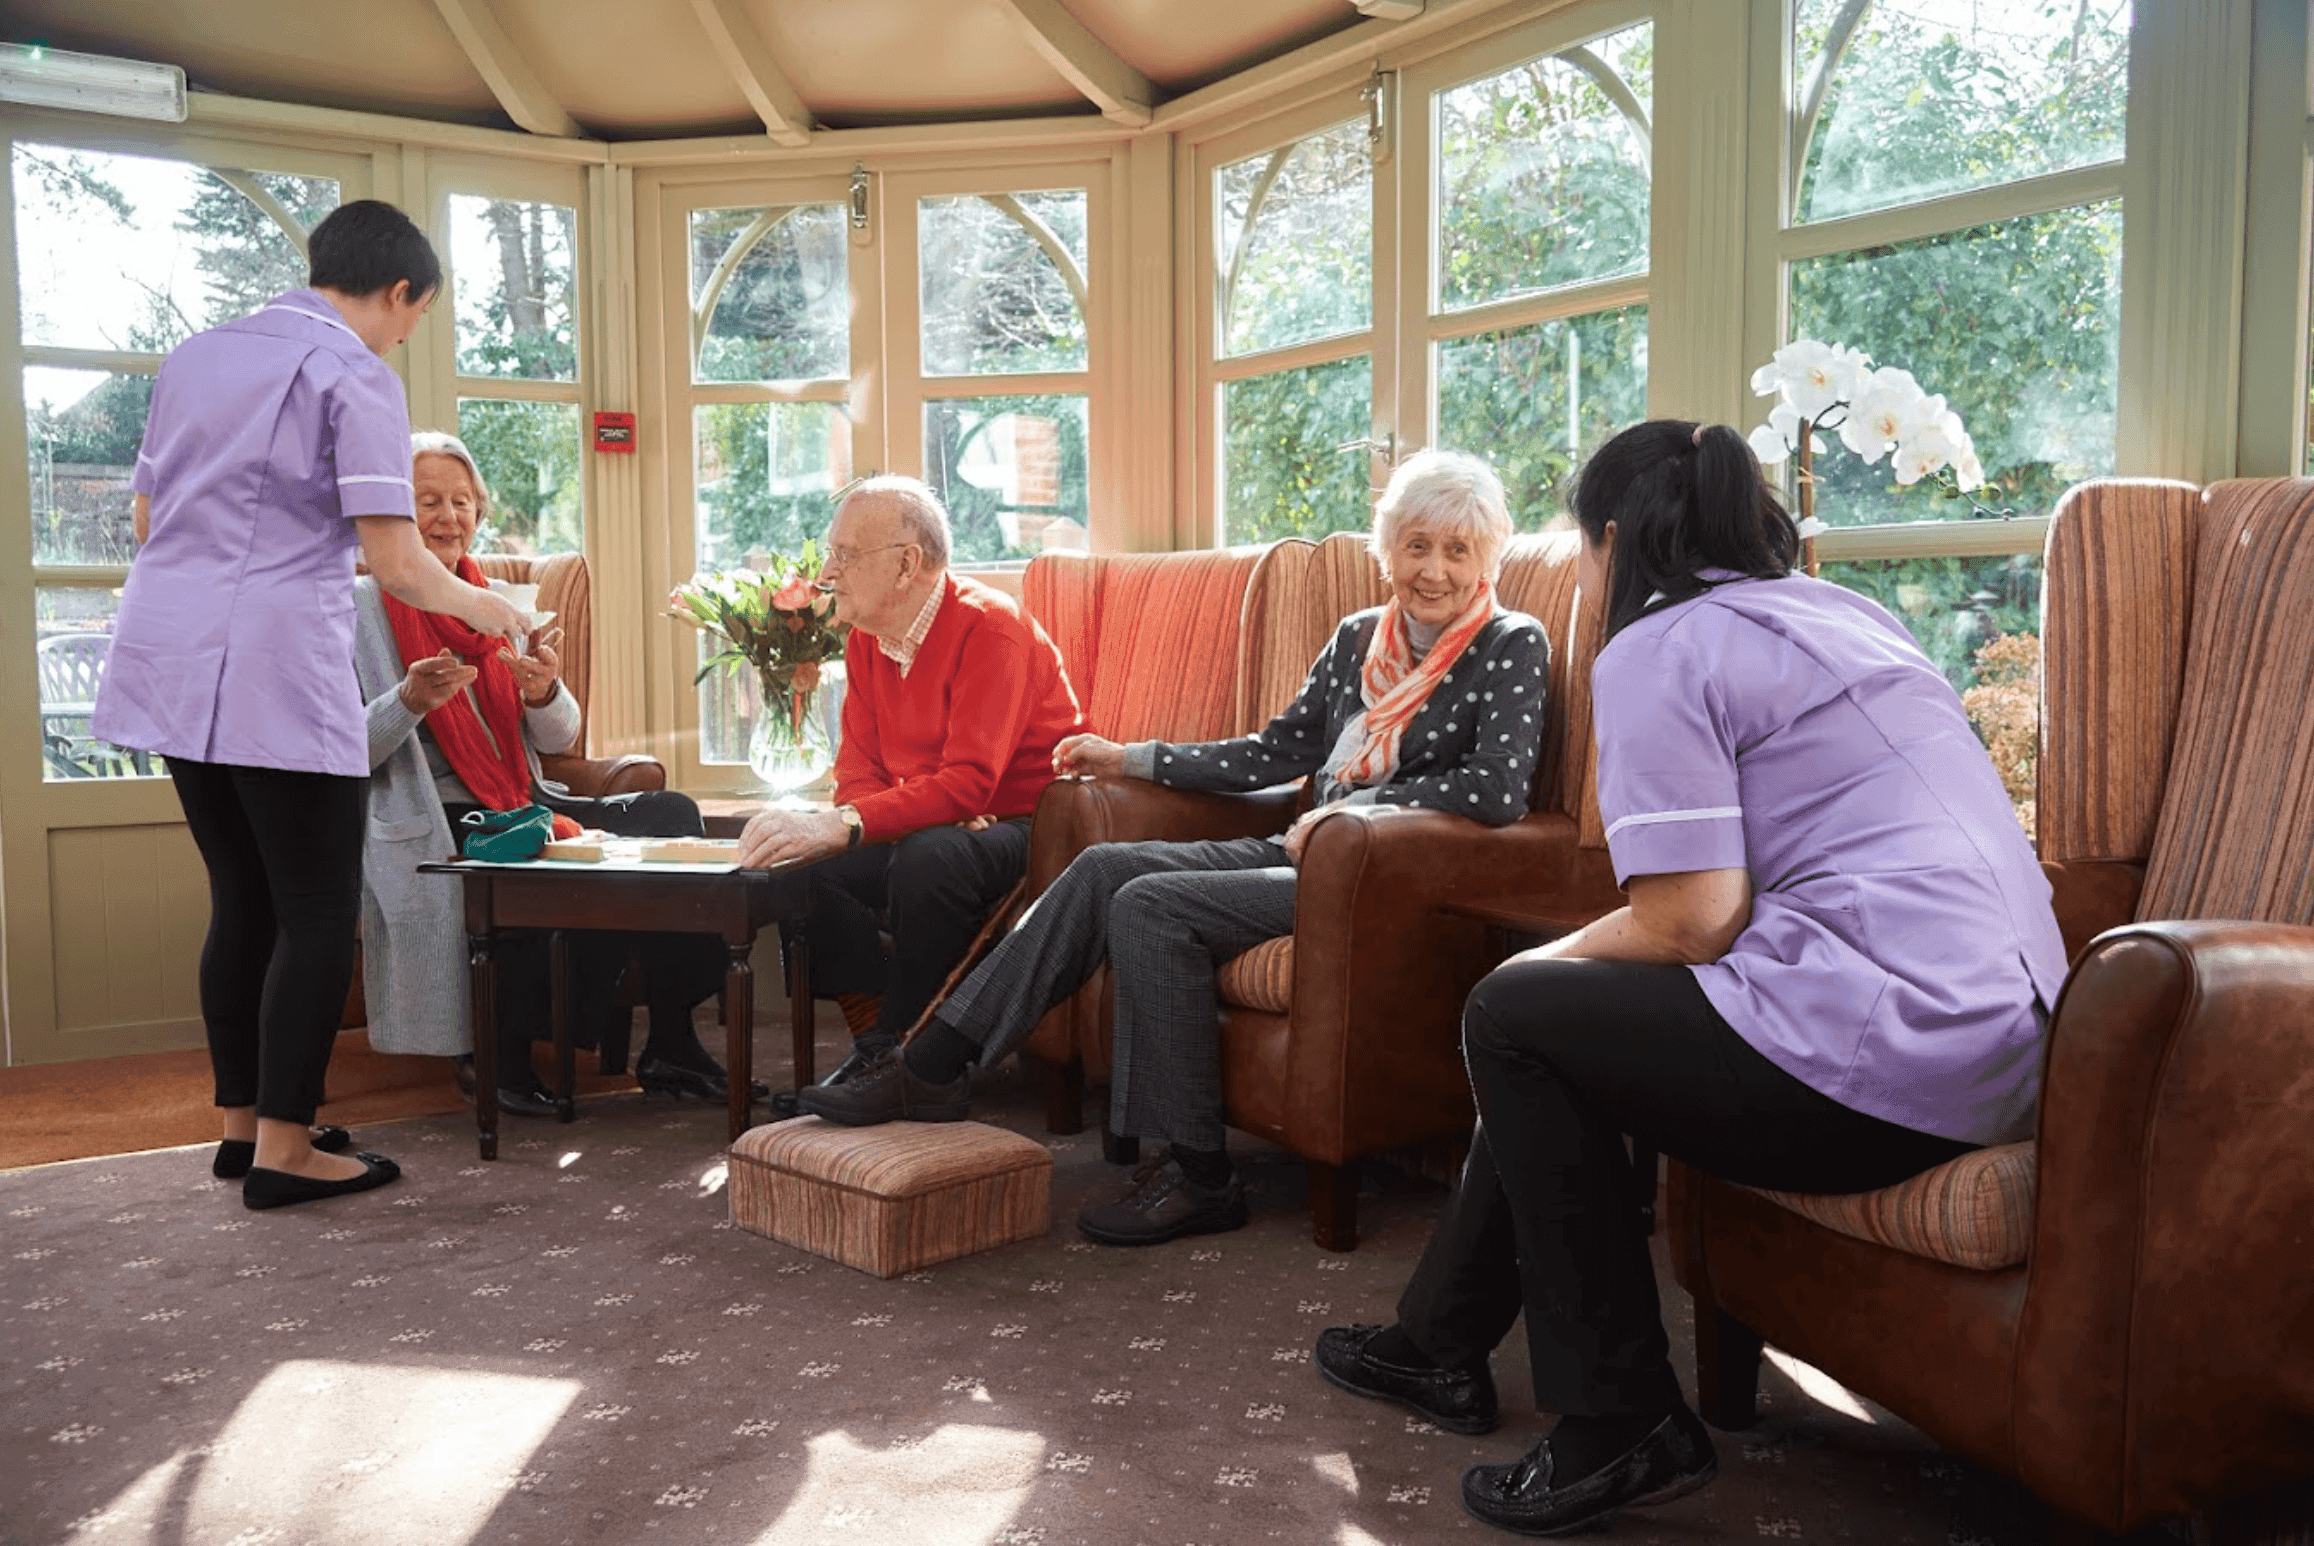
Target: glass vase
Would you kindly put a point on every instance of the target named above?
(790, 748)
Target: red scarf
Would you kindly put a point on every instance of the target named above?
(1394, 687)
(498, 774)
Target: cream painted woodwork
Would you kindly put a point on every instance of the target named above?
(101, 897)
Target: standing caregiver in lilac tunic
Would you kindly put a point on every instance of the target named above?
(276, 446)
(1833, 974)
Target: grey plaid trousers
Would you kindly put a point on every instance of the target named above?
(1165, 916)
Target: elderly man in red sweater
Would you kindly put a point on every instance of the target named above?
(954, 701)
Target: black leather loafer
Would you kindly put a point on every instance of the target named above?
(236, 1155)
(1673, 1460)
(280, 1189)
(886, 1091)
(536, 1101)
(1164, 1205)
(1458, 1400)
(855, 1063)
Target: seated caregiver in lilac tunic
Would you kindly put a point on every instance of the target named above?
(277, 444)
(1833, 974)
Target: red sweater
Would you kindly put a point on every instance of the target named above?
(969, 731)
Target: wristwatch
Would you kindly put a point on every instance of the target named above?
(852, 824)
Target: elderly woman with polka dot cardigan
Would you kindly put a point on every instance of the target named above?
(1434, 699)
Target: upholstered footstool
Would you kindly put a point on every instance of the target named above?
(890, 1199)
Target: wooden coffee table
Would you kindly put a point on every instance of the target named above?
(726, 901)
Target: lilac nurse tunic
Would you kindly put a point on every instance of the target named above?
(234, 642)
(1901, 943)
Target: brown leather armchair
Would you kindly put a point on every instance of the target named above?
(2147, 1351)
(1343, 1040)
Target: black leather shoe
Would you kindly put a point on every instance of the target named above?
(236, 1155)
(1164, 1205)
(659, 1076)
(1458, 1400)
(885, 1091)
(280, 1189)
(856, 1062)
(536, 1101)
(1672, 1461)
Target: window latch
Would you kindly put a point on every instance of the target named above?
(1386, 448)
(859, 204)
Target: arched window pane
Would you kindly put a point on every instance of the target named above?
(1281, 473)
(133, 253)
(1543, 172)
(2016, 324)
(1930, 97)
(513, 268)
(996, 297)
(1294, 240)
(1534, 401)
(1011, 471)
(770, 293)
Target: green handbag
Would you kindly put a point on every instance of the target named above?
(505, 837)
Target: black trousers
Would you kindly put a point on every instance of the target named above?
(284, 855)
(679, 971)
(1566, 1057)
(930, 891)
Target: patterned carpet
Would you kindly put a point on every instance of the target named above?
(573, 1345)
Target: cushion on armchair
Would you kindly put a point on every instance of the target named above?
(1975, 1211)
(1261, 978)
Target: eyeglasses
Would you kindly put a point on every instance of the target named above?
(844, 558)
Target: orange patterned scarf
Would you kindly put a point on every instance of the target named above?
(1394, 687)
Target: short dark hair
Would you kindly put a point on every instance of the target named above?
(1684, 498)
(368, 246)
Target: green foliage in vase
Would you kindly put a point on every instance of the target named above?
(774, 621)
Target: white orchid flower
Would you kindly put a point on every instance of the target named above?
(1927, 448)
(1769, 445)
(1811, 376)
(1877, 417)
(1967, 470)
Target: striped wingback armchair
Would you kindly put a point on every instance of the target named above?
(1342, 1039)
(2118, 1314)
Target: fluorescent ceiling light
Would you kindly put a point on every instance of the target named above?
(91, 83)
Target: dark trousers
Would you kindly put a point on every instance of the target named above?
(1566, 1057)
(679, 971)
(1165, 916)
(284, 855)
(931, 891)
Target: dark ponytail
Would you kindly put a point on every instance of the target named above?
(1684, 498)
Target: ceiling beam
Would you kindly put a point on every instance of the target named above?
(503, 70)
(740, 47)
(1122, 93)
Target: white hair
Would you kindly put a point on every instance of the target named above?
(1450, 490)
(922, 516)
(433, 442)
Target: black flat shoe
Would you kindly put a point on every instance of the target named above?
(658, 1076)
(236, 1155)
(856, 1062)
(1673, 1460)
(536, 1101)
(1458, 1400)
(280, 1189)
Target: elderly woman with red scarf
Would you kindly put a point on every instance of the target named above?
(456, 722)
(1434, 699)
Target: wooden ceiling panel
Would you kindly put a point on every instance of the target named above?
(1185, 44)
(383, 56)
(647, 69)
